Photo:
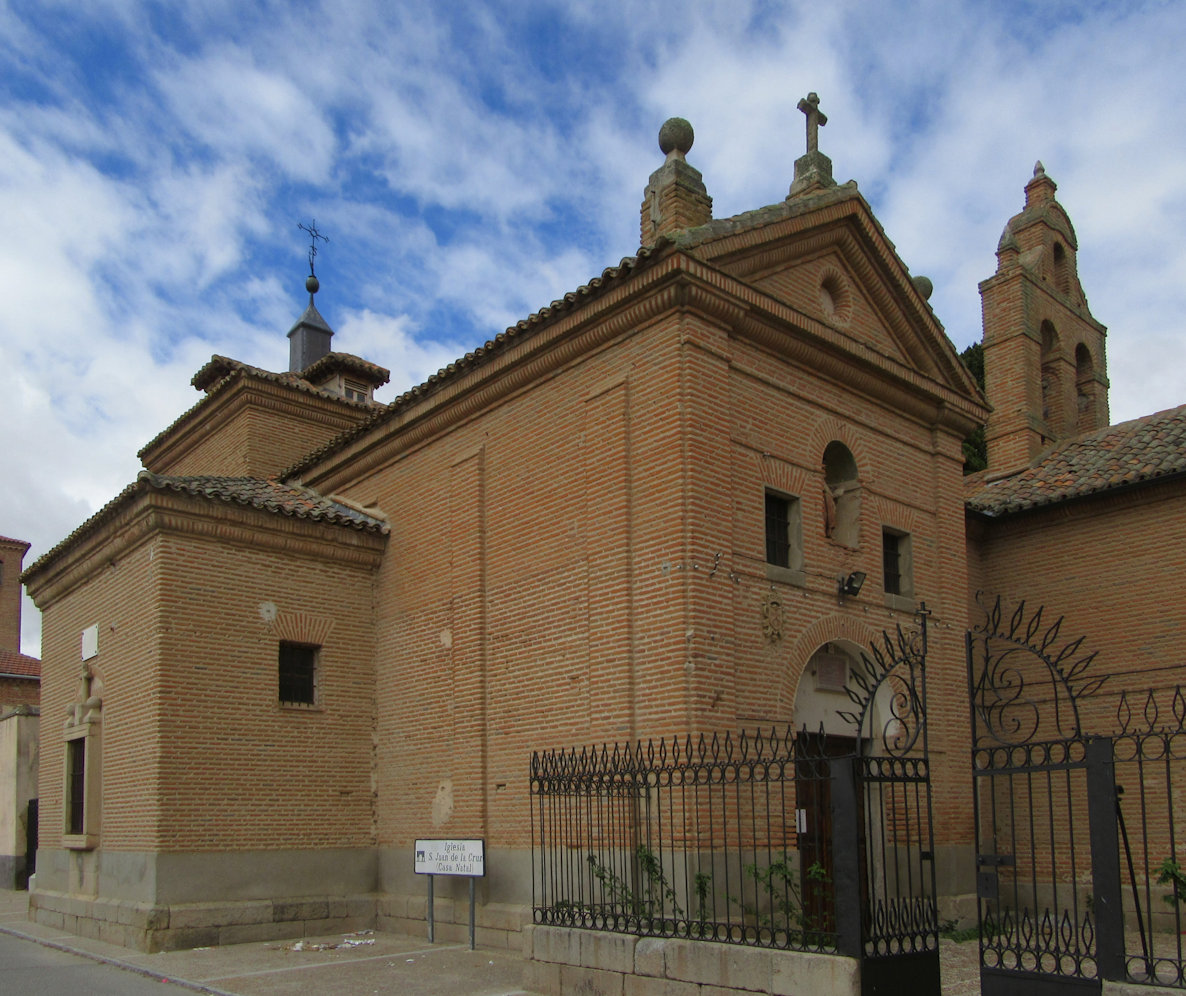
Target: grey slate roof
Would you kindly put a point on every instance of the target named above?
(1130, 453)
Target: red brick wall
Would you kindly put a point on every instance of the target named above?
(261, 430)
(550, 576)
(19, 691)
(238, 769)
(1108, 566)
(119, 599)
(11, 557)
(198, 752)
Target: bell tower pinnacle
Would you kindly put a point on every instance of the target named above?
(1045, 368)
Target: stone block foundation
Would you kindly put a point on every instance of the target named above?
(154, 927)
(593, 963)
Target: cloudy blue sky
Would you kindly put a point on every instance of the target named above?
(471, 162)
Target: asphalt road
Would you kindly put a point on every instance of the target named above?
(29, 969)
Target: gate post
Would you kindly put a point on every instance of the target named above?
(1105, 859)
(846, 856)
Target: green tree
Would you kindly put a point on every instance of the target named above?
(975, 447)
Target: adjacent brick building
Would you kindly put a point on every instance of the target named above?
(20, 695)
(317, 627)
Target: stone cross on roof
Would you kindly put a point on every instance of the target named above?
(813, 170)
(809, 105)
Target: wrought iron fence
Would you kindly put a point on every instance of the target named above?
(1080, 813)
(718, 838)
(810, 841)
(1148, 748)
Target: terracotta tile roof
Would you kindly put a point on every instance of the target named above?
(17, 542)
(483, 354)
(269, 495)
(686, 239)
(15, 665)
(1119, 456)
(331, 362)
(221, 370)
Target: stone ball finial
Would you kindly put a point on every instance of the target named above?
(676, 133)
(924, 286)
(312, 284)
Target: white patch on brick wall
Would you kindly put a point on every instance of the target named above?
(90, 642)
(267, 612)
(442, 803)
(446, 638)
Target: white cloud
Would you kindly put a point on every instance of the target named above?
(471, 166)
(237, 109)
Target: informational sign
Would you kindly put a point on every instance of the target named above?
(90, 642)
(451, 857)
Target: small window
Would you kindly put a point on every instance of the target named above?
(783, 540)
(896, 563)
(356, 391)
(298, 674)
(76, 785)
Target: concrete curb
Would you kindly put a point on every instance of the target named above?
(127, 966)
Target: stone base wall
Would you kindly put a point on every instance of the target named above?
(12, 871)
(592, 963)
(149, 927)
(152, 927)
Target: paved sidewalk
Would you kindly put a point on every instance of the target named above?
(342, 964)
(358, 964)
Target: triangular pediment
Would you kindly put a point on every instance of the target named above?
(826, 257)
(825, 287)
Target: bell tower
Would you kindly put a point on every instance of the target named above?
(1045, 369)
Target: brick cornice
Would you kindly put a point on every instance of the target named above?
(677, 282)
(849, 227)
(238, 394)
(571, 337)
(150, 513)
(1050, 294)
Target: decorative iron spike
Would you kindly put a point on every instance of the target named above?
(1069, 650)
(1080, 665)
(1151, 711)
(994, 617)
(1017, 619)
(1123, 712)
(1051, 634)
(1034, 625)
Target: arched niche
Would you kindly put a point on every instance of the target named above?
(842, 495)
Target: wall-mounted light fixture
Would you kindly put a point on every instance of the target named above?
(852, 584)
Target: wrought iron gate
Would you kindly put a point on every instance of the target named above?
(1045, 810)
(886, 908)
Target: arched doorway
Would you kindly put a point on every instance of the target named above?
(820, 697)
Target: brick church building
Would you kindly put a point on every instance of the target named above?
(679, 499)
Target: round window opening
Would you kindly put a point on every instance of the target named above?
(834, 297)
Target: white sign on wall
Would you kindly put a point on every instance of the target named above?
(90, 642)
(451, 857)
